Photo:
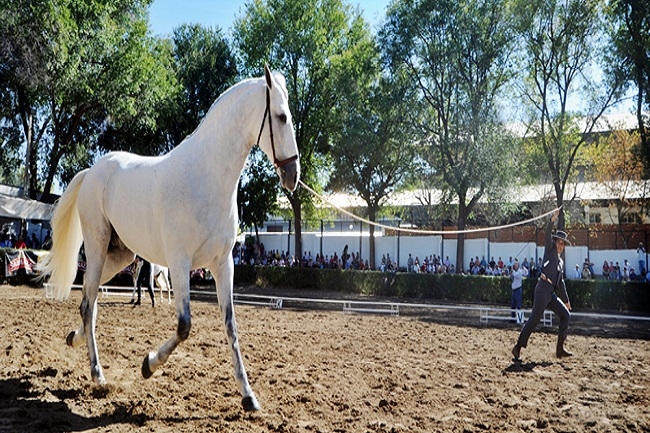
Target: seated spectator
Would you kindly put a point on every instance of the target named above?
(586, 275)
(5, 241)
(625, 276)
(20, 243)
(633, 275)
(576, 273)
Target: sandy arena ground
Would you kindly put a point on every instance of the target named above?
(314, 371)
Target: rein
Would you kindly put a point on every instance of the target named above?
(276, 163)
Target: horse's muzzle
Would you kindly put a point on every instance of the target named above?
(289, 175)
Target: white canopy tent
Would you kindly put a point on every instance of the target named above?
(20, 208)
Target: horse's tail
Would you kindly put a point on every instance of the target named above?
(62, 261)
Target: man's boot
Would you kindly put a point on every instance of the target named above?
(560, 352)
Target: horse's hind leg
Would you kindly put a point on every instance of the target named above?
(113, 261)
(223, 275)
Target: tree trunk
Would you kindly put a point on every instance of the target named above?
(463, 212)
(31, 156)
(645, 146)
(295, 201)
(372, 215)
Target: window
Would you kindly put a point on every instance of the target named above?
(631, 218)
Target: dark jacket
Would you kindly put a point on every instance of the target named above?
(553, 265)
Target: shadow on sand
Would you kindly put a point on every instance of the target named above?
(26, 410)
(525, 367)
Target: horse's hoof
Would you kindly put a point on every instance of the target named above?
(98, 375)
(250, 403)
(146, 371)
(69, 338)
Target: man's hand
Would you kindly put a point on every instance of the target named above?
(555, 215)
(568, 305)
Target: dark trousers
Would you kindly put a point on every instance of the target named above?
(517, 299)
(545, 298)
(145, 278)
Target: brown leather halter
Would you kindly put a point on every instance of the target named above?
(277, 163)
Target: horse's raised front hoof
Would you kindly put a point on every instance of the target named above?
(146, 371)
(250, 403)
(69, 338)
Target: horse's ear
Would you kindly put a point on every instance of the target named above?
(267, 74)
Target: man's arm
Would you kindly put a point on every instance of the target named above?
(549, 230)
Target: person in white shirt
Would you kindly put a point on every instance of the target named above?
(517, 278)
(576, 273)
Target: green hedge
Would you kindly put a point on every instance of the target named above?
(584, 294)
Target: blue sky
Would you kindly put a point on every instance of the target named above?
(165, 15)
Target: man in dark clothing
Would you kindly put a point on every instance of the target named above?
(145, 277)
(551, 277)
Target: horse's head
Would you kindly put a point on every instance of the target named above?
(276, 136)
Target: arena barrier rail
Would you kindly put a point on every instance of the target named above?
(520, 317)
(351, 306)
(104, 290)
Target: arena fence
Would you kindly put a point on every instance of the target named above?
(278, 302)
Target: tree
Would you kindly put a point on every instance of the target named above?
(205, 67)
(23, 72)
(618, 169)
(375, 150)
(631, 59)
(258, 191)
(307, 40)
(96, 68)
(458, 56)
(559, 46)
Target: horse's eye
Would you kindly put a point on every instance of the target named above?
(283, 118)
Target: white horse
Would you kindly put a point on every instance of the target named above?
(159, 276)
(178, 210)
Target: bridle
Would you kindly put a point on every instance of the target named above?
(276, 163)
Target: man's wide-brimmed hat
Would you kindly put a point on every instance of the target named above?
(561, 236)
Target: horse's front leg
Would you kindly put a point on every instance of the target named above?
(155, 359)
(223, 274)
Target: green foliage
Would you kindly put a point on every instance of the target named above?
(258, 191)
(374, 151)
(457, 57)
(560, 40)
(584, 294)
(94, 69)
(627, 59)
(205, 67)
(314, 43)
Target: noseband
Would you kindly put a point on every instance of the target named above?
(276, 163)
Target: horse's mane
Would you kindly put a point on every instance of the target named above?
(279, 80)
(224, 95)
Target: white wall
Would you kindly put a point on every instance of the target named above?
(421, 246)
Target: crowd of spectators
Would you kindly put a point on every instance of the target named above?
(433, 264)
(429, 265)
(501, 268)
(615, 272)
(9, 240)
(258, 255)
